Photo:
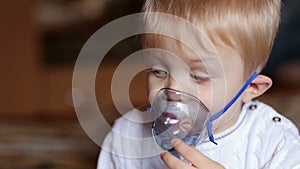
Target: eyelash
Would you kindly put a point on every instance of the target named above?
(199, 78)
(162, 74)
(158, 73)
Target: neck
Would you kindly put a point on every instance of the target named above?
(224, 124)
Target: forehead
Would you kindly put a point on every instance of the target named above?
(186, 51)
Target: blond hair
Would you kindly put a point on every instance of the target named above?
(247, 26)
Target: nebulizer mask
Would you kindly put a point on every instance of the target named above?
(180, 115)
(177, 114)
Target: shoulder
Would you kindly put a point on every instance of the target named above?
(272, 137)
(280, 136)
(130, 144)
(133, 123)
(133, 128)
(263, 114)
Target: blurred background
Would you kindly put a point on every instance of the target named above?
(40, 41)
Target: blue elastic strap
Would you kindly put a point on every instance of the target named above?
(220, 113)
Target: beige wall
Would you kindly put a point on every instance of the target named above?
(18, 57)
(28, 87)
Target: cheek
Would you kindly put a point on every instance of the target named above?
(153, 84)
(205, 95)
(153, 87)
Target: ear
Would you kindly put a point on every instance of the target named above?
(257, 87)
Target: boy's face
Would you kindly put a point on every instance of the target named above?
(213, 77)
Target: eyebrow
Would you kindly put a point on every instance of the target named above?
(191, 61)
(205, 63)
(197, 60)
(208, 58)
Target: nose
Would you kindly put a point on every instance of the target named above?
(172, 83)
(173, 95)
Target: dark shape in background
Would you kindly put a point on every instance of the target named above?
(62, 42)
(284, 63)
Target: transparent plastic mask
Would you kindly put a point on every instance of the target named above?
(177, 114)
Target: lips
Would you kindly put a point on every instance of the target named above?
(169, 118)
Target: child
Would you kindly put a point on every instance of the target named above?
(234, 41)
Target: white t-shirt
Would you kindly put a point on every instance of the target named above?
(260, 139)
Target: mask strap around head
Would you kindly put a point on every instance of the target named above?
(220, 113)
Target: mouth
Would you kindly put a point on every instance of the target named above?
(169, 118)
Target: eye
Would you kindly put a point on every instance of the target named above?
(200, 77)
(158, 72)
